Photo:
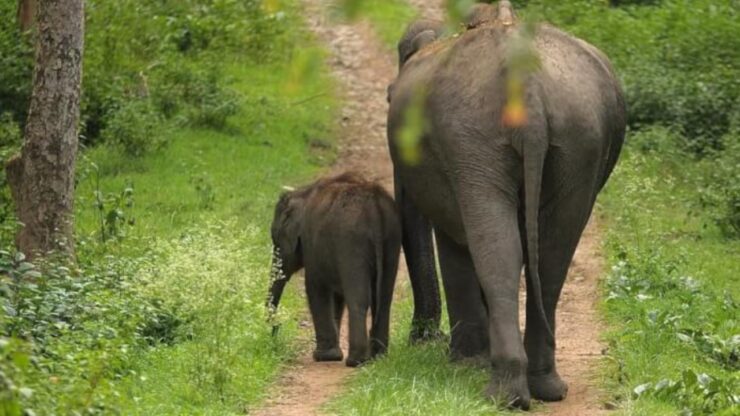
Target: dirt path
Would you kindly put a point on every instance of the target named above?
(364, 68)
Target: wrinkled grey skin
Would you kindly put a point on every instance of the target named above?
(501, 196)
(346, 233)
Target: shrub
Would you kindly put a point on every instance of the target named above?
(656, 52)
(14, 360)
(10, 142)
(134, 126)
(199, 96)
(719, 186)
(221, 287)
(647, 288)
(79, 326)
(16, 65)
(128, 57)
(618, 3)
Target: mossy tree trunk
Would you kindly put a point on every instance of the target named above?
(41, 177)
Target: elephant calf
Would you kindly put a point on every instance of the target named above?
(345, 232)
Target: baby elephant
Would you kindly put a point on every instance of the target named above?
(345, 232)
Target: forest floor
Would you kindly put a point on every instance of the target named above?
(363, 67)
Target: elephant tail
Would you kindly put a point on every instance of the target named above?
(378, 289)
(534, 152)
(379, 262)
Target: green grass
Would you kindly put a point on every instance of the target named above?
(219, 277)
(671, 295)
(414, 379)
(202, 209)
(269, 146)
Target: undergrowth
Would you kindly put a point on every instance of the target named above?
(163, 311)
(671, 295)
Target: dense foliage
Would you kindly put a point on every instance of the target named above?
(158, 315)
(148, 60)
(671, 294)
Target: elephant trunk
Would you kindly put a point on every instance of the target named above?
(278, 279)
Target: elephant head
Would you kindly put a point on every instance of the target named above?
(287, 257)
(418, 34)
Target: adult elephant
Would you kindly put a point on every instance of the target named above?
(508, 168)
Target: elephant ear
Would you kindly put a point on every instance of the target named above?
(291, 224)
(421, 40)
(417, 35)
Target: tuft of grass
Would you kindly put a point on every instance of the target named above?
(225, 356)
(415, 379)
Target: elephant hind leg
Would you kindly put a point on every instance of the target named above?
(465, 305)
(561, 230)
(338, 307)
(320, 302)
(357, 279)
(492, 229)
(379, 334)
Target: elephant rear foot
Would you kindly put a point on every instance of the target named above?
(469, 343)
(425, 331)
(548, 387)
(509, 390)
(331, 354)
(356, 361)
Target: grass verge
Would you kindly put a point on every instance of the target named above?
(415, 379)
(671, 295)
(204, 207)
(164, 313)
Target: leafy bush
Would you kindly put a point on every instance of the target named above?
(634, 2)
(199, 95)
(656, 51)
(10, 141)
(219, 297)
(167, 56)
(16, 65)
(680, 311)
(14, 360)
(81, 326)
(135, 127)
(696, 393)
(719, 186)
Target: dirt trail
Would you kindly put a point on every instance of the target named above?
(364, 68)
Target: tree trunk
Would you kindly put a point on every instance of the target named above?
(41, 178)
(26, 13)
